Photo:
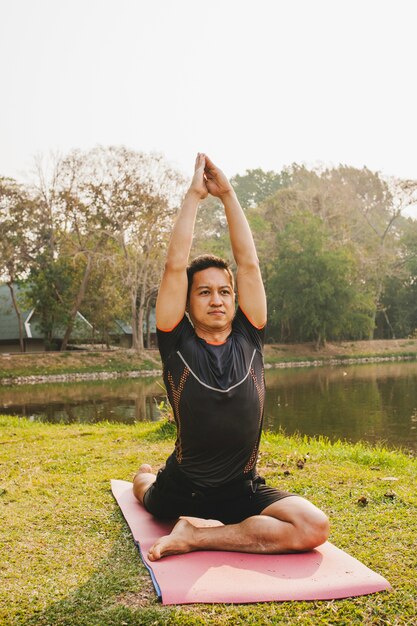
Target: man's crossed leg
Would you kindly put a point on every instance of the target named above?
(289, 525)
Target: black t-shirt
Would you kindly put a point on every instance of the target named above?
(217, 395)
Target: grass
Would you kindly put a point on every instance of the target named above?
(68, 558)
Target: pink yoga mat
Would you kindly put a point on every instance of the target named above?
(235, 577)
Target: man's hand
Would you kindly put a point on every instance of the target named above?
(216, 181)
(198, 184)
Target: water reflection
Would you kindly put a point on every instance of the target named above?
(375, 403)
(125, 401)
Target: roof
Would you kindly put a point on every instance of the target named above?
(124, 328)
(120, 325)
(9, 324)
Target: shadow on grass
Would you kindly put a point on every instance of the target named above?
(120, 592)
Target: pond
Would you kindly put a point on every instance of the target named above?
(374, 403)
(116, 400)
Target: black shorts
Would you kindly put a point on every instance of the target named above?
(172, 495)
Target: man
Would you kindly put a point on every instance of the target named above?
(213, 371)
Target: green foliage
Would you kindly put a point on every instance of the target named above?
(397, 316)
(93, 239)
(50, 290)
(166, 429)
(256, 185)
(211, 234)
(107, 297)
(312, 292)
(357, 209)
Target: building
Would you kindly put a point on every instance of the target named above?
(33, 338)
(122, 335)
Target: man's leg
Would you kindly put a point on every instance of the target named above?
(144, 478)
(292, 524)
(142, 481)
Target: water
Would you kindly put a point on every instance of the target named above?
(121, 400)
(374, 403)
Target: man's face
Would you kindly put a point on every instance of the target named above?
(212, 300)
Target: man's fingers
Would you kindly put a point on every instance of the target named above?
(200, 160)
(209, 163)
(210, 169)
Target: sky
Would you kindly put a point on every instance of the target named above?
(253, 83)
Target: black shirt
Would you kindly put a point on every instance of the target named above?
(217, 395)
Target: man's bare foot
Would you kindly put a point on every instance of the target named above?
(200, 522)
(142, 480)
(145, 468)
(180, 541)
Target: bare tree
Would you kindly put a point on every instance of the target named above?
(111, 194)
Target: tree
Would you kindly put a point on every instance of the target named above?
(252, 188)
(50, 289)
(143, 246)
(18, 216)
(398, 311)
(312, 293)
(103, 196)
(106, 299)
(358, 209)
(256, 185)
(211, 234)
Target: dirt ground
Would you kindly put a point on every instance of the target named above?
(378, 347)
(75, 360)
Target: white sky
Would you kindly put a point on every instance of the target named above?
(254, 83)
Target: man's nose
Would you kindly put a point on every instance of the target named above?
(215, 299)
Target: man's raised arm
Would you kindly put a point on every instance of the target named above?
(251, 292)
(172, 295)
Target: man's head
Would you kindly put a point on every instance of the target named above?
(203, 262)
(211, 298)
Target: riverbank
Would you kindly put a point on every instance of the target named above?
(93, 365)
(70, 559)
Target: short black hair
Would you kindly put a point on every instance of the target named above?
(203, 262)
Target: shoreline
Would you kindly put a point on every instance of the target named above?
(36, 379)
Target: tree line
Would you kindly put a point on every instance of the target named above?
(338, 255)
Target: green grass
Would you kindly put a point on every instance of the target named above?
(68, 558)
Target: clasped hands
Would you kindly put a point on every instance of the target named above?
(209, 179)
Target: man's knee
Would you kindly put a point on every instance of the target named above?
(312, 532)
